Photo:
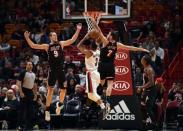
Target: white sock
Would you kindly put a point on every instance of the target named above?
(102, 106)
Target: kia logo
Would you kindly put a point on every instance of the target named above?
(121, 85)
(121, 70)
(121, 56)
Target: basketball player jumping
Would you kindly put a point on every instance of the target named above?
(108, 51)
(56, 61)
(92, 55)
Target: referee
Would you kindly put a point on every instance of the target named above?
(25, 83)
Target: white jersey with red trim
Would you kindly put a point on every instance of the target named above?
(92, 62)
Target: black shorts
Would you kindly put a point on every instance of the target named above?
(106, 70)
(56, 75)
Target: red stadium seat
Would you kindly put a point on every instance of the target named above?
(55, 27)
(15, 43)
(7, 36)
(10, 28)
(22, 26)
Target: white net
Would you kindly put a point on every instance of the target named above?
(90, 17)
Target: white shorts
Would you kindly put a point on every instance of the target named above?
(92, 81)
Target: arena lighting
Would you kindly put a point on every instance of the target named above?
(125, 1)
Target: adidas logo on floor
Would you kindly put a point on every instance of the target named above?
(120, 112)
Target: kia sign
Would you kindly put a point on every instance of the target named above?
(121, 56)
(121, 85)
(121, 70)
(123, 74)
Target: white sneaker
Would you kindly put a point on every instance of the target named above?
(47, 116)
(58, 108)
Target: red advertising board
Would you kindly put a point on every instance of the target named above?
(123, 75)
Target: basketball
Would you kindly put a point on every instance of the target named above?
(94, 34)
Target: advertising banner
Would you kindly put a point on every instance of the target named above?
(125, 108)
(124, 114)
(123, 77)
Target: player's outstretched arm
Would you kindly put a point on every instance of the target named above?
(101, 35)
(131, 48)
(82, 48)
(32, 44)
(74, 37)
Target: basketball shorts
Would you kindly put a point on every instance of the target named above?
(92, 81)
(56, 75)
(106, 70)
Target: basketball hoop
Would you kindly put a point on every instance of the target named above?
(91, 16)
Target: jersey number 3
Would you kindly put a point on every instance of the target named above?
(55, 53)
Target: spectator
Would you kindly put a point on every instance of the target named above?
(35, 59)
(71, 86)
(159, 51)
(68, 63)
(148, 43)
(82, 76)
(3, 95)
(4, 45)
(9, 108)
(40, 77)
(78, 94)
(36, 35)
(159, 101)
(8, 72)
(16, 92)
(43, 87)
(172, 92)
(156, 62)
(138, 76)
(70, 74)
(18, 34)
(45, 36)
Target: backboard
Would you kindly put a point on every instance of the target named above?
(112, 9)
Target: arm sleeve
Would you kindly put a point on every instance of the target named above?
(21, 76)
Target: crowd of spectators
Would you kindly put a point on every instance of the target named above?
(36, 15)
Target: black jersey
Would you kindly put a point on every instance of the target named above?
(108, 53)
(55, 56)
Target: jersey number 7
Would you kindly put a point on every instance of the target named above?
(109, 53)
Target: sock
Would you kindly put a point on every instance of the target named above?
(48, 108)
(102, 106)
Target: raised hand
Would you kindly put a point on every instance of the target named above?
(26, 34)
(79, 26)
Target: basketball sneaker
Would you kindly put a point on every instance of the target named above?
(47, 116)
(59, 107)
(108, 107)
(103, 113)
